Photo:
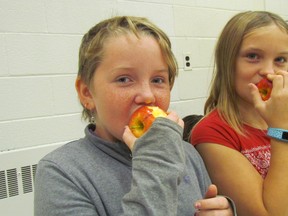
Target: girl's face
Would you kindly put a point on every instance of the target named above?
(133, 73)
(263, 51)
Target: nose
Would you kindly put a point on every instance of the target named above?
(145, 95)
(268, 68)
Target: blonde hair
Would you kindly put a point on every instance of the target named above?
(91, 49)
(223, 95)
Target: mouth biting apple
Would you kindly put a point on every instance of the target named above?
(265, 88)
(142, 119)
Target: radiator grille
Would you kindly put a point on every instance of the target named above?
(12, 182)
(34, 171)
(26, 179)
(3, 187)
(14, 179)
(17, 178)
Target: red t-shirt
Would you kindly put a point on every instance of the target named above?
(255, 146)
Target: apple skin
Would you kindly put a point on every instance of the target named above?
(142, 119)
(265, 88)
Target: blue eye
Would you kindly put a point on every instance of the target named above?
(252, 56)
(123, 79)
(281, 59)
(158, 80)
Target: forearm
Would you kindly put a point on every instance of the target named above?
(275, 188)
(158, 164)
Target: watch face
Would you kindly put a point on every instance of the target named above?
(285, 135)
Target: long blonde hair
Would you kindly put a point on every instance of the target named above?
(223, 95)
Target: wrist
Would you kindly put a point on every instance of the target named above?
(278, 133)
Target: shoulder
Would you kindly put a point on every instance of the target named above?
(212, 117)
(67, 154)
(213, 129)
(210, 123)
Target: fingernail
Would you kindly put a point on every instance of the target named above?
(197, 205)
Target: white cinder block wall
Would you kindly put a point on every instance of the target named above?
(39, 42)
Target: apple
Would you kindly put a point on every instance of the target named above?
(142, 119)
(265, 88)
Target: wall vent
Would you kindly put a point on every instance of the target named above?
(3, 188)
(17, 176)
(12, 182)
(11, 178)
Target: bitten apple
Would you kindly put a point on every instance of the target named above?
(142, 119)
(265, 88)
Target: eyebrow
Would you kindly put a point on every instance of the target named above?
(161, 70)
(284, 53)
(251, 49)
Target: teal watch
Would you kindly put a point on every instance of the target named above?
(278, 133)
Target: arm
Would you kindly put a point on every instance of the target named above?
(156, 170)
(211, 205)
(236, 177)
(56, 193)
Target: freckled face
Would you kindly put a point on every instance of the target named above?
(263, 51)
(133, 73)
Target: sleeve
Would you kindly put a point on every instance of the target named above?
(58, 183)
(158, 166)
(207, 131)
(195, 162)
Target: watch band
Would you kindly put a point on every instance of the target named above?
(278, 133)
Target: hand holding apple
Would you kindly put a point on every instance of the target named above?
(265, 88)
(128, 137)
(142, 119)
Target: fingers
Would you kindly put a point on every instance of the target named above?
(213, 206)
(280, 82)
(215, 203)
(279, 79)
(174, 117)
(285, 75)
(225, 212)
(274, 110)
(256, 97)
(128, 138)
(212, 202)
(211, 192)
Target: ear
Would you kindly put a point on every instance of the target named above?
(84, 94)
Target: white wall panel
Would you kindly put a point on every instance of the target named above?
(200, 22)
(37, 54)
(160, 14)
(22, 16)
(4, 71)
(26, 97)
(74, 16)
(40, 131)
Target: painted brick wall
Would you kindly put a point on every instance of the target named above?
(39, 42)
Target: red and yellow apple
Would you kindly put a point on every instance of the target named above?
(265, 88)
(142, 119)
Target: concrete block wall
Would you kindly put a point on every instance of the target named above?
(39, 41)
